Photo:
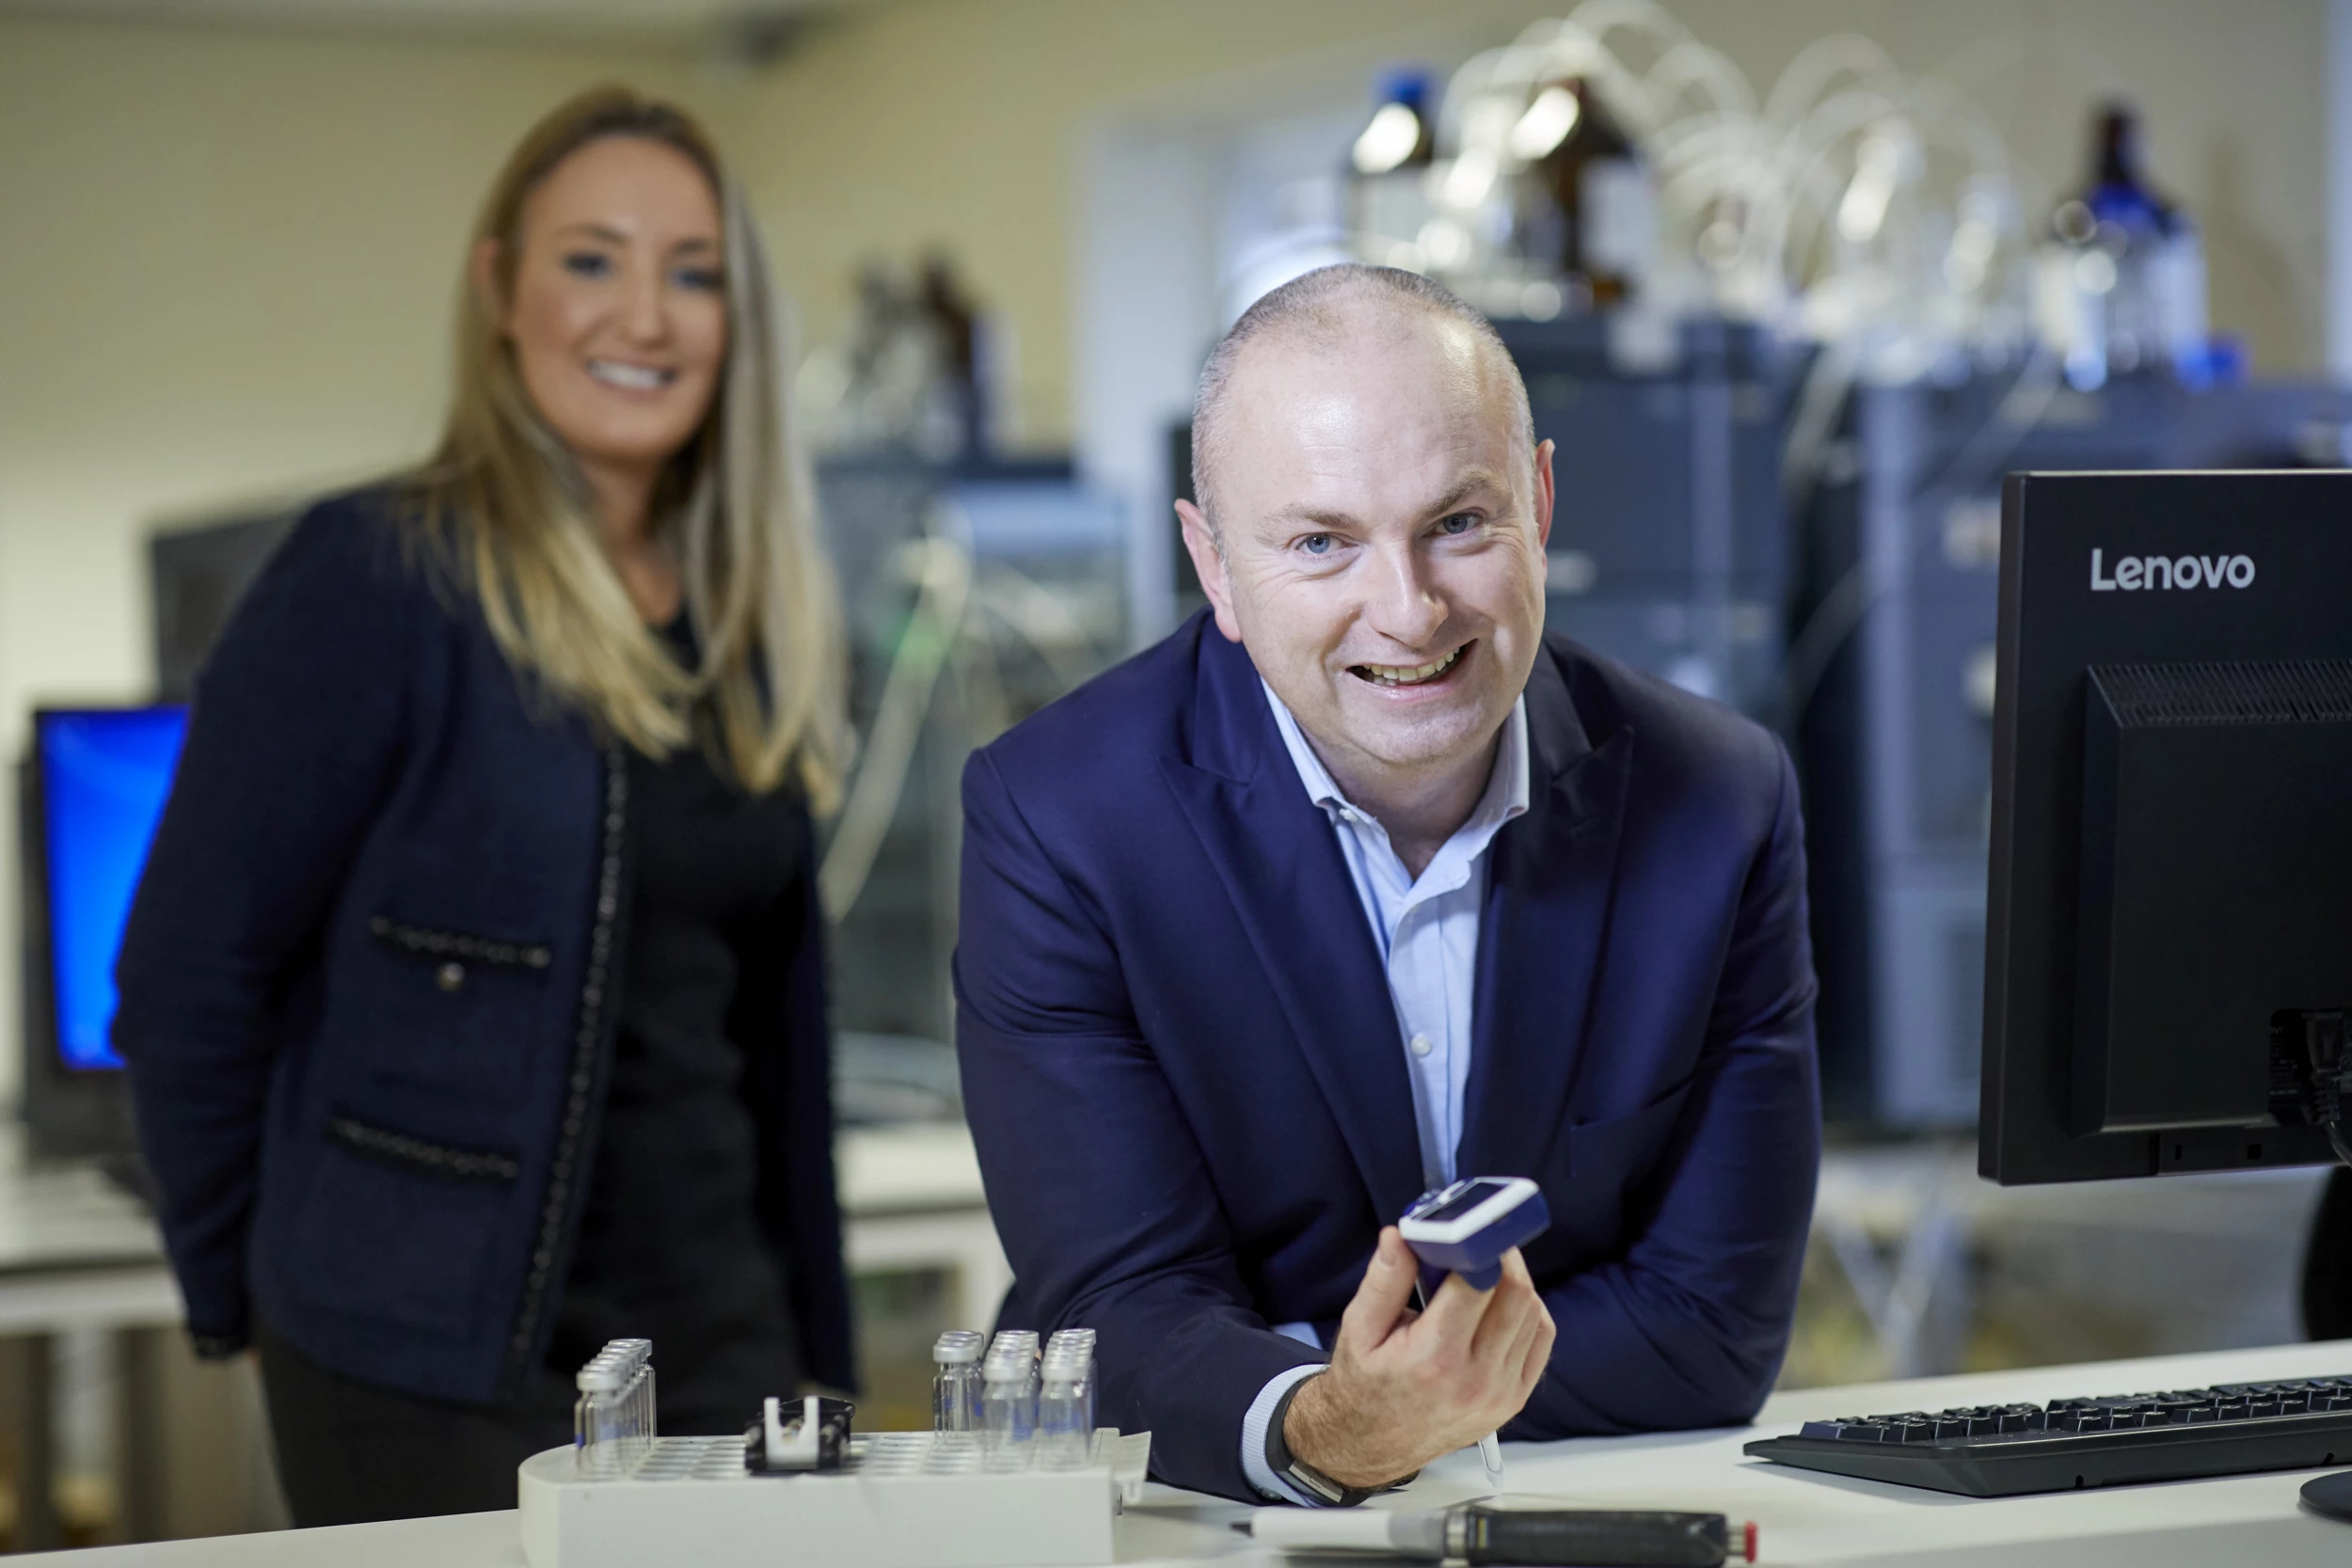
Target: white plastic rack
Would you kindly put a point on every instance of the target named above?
(905, 1499)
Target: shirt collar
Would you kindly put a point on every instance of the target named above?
(1506, 792)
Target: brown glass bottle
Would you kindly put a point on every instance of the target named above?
(1598, 190)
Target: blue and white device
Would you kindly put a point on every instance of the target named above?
(1465, 1228)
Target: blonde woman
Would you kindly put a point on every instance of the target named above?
(473, 997)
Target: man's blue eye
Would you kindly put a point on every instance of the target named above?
(1461, 522)
(586, 264)
(1316, 543)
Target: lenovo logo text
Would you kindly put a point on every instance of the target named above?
(2133, 572)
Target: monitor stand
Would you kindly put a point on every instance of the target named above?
(2331, 1495)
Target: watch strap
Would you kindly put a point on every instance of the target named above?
(1310, 1480)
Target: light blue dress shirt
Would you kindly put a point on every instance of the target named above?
(1427, 929)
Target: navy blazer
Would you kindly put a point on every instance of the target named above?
(371, 978)
(1182, 1066)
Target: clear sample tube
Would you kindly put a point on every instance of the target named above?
(1022, 1342)
(956, 1381)
(1064, 1435)
(612, 1421)
(1009, 1408)
(1081, 1343)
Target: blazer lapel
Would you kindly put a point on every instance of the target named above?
(1275, 851)
(1542, 936)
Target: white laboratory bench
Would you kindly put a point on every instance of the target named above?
(77, 1252)
(1803, 1518)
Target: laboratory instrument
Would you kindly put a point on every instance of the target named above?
(612, 1420)
(1495, 1531)
(1065, 1410)
(800, 1479)
(1009, 1400)
(1465, 1227)
(956, 1381)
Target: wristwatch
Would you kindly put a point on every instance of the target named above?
(1308, 1480)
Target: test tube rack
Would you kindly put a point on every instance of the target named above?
(903, 1500)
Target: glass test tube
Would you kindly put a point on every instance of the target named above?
(1024, 1343)
(613, 1423)
(1063, 1435)
(1009, 1408)
(1082, 1341)
(956, 1381)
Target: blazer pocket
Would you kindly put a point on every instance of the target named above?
(389, 1238)
(447, 1011)
(1607, 1159)
(403, 1152)
(1625, 1146)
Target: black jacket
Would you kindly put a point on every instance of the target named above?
(370, 981)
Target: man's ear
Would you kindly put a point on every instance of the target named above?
(1544, 496)
(482, 271)
(1208, 563)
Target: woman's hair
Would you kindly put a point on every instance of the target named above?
(509, 508)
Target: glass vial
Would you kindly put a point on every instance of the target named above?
(1063, 1435)
(1008, 1396)
(1080, 1343)
(956, 1381)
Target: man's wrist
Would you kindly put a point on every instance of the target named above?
(1303, 1474)
(1296, 1471)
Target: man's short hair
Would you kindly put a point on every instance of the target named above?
(1316, 305)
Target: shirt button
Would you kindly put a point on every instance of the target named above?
(451, 975)
(1421, 1045)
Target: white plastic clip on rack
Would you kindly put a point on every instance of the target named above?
(623, 1497)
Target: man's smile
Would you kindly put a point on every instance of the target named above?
(1409, 675)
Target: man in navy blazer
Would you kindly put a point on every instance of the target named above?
(1361, 883)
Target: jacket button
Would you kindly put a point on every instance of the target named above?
(451, 977)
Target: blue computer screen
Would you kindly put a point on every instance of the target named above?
(103, 777)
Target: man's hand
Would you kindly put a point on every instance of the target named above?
(1405, 1388)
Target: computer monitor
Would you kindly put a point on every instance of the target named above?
(2170, 928)
(92, 791)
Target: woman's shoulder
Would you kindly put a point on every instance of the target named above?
(357, 572)
(375, 540)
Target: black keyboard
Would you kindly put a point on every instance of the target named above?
(1999, 1450)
